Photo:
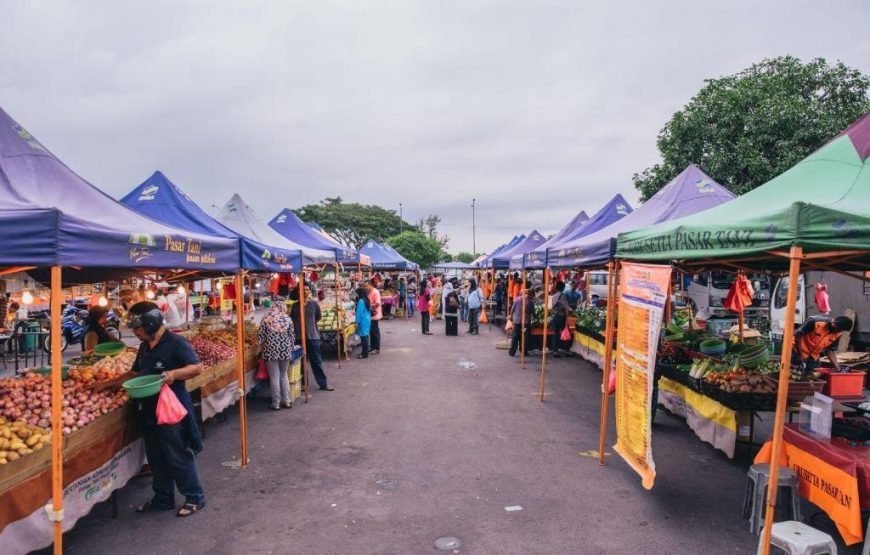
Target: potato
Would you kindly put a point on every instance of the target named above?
(6, 433)
(25, 451)
(13, 456)
(4, 443)
(38, 446)
(32, 440)
(2, 462)
(25, 433)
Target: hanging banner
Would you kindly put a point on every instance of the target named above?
(643, 292)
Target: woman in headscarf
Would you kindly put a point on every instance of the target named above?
(363, 318)
(423, 305)
(451, 305)
(437, 290)
(277, 337)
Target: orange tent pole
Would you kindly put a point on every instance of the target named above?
(302, 300)
(240, 365)
(546, 316)
(339, 320)
(612, 272)
(521, 323)
(795, 255)
(56, 512)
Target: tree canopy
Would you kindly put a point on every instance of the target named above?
(465, 257)
(352, 223)
(747, 128)
(417, 247)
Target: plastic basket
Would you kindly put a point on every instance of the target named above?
(843, 384)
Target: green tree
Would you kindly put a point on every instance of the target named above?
(429, 226)
(352, 224)
(744, 129)
(465, 257)
(417, 247)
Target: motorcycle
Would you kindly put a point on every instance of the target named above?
(74, 325)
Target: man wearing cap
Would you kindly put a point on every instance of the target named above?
(170, 449)
(819, 335)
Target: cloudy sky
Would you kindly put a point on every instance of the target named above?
(537, 109)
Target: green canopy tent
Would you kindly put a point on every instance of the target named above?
(816, 214)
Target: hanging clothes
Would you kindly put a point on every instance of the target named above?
(822, 301)
(740, 295)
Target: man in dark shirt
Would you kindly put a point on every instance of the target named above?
(170, 449)
(521, 324)
(312, 336)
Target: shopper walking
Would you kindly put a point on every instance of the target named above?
(312, 335)
(475, 305)
(170, 449)
(498, 295)
(412, 296)
(363, 319)
(521, 318)
(423, 300)
(277, 339)
(451, 313)
(377, 313)
(559, 317)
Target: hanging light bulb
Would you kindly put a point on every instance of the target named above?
(103, 301)
(149, 295)
(257, 285)
(181, 290)
(27, 298)
(220, 285)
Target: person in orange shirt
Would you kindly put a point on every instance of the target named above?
(819, 335)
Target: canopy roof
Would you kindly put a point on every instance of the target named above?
(54, 217)
(689, 192)
(453, 266)
(822, 204)
(616, 208)
(384, 257)
(288, 225)
(267, 249)
(531, 242)
(535, 259)
(487, 261)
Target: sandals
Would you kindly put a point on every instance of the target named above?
(188, 509)
(150, 507)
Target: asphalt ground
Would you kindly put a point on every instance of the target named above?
(440, 437)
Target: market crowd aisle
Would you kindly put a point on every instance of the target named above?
(435, 437)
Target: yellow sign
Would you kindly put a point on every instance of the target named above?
(643, 292)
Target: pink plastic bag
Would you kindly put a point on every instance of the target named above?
(566, 334)
(611, 386)
(170, 411)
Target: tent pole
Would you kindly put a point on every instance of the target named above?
(240, 365)
(56, 400)
(588, 291)
(608, 356)
(795, 255)
(301, 303)
(339, 320)
(740, 324)
(521, 323)
(544, 347)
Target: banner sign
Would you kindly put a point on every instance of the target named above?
(643, 292)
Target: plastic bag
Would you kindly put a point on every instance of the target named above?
(566, 334)
(483, 318)
(170, 411)
(611, 385)
(262, 371)
(509, 326)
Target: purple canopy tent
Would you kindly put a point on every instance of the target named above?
(535, 259)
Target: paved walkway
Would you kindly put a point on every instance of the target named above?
(413, 446)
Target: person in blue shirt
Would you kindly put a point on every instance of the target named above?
(572, 295)
(363, 320)
(474, 300)
(171, 449)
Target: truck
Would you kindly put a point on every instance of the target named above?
(844, 292)
(706, 292)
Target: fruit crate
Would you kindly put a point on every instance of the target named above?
(843, 384)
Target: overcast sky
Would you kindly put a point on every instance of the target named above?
(538, 109)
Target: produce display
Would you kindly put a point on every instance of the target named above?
(18, 439)
(210, 350)
(592, 318)
(104, 369)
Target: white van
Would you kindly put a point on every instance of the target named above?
(708, 290)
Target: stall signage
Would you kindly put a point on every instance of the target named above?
(643, 292)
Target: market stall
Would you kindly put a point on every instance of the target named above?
(816, 215)
(91, 230)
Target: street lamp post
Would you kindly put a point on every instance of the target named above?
(401, 221)
(473, 231)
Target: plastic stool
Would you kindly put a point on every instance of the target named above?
(753, 503)
(796, 538)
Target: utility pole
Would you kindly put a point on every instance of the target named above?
(401, 221)
(473, 230)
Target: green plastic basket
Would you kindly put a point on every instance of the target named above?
(45, 371)
(113, 348)
(143, 386)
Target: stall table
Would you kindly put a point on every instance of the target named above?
(833, 474)
(340, 339)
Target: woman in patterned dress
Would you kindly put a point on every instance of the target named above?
(277, 340)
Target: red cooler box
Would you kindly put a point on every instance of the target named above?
(843, 384)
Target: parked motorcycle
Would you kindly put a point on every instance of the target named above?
(74, 324)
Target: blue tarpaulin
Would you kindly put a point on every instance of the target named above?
(52, 216)
(160, 199)
(690, 192)
(531, 242)
(487, 262)
(384, 257)
(535, 259)
(290, 226)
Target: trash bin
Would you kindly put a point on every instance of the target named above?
(27, 341)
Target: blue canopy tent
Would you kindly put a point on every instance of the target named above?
(160, 199)
(288, 224)
(531, 242)
(269, 248)
(616, 209)
(487, 262)
(534, 259)
(689, 192)
(384, 257)
(55, 219)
